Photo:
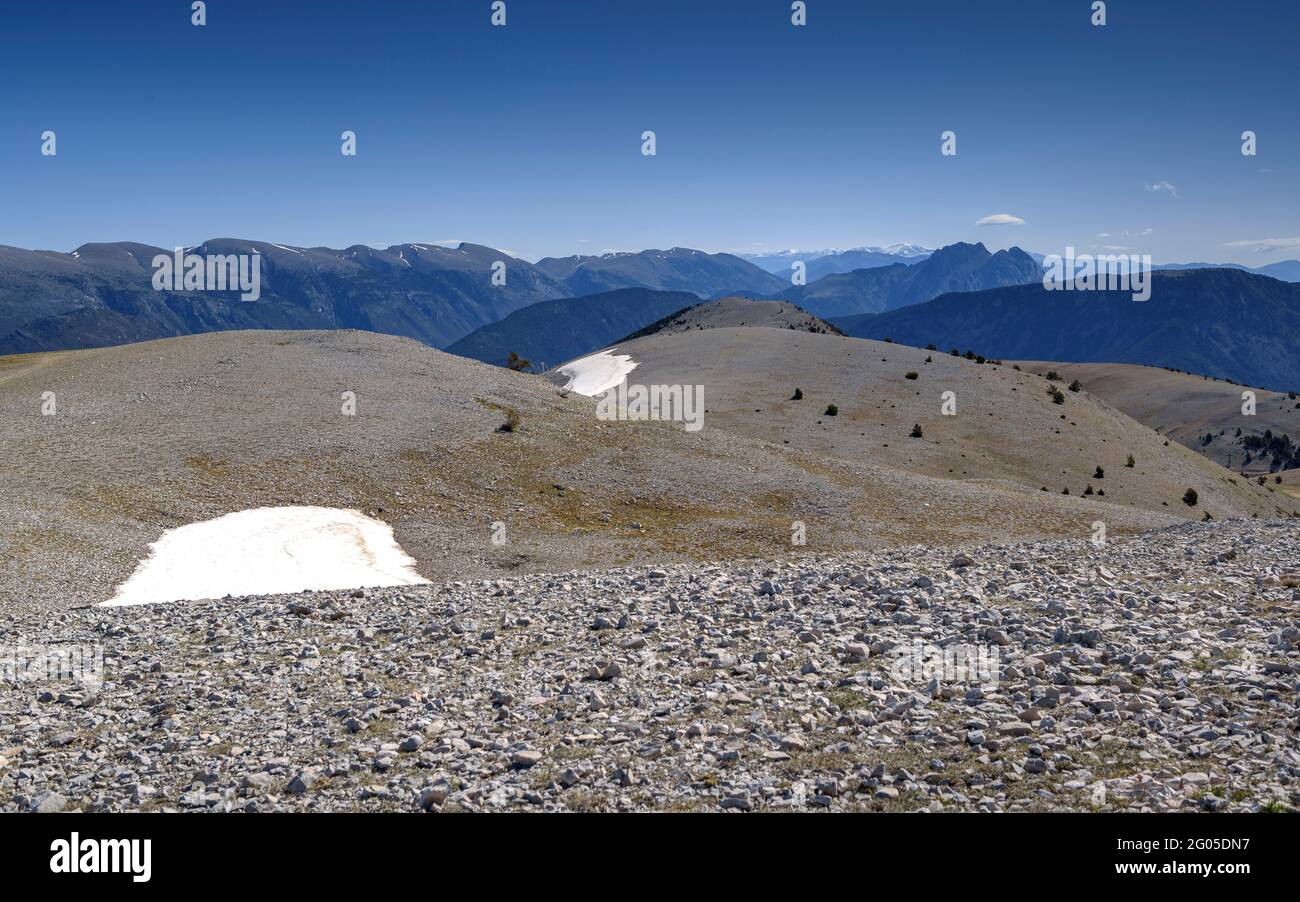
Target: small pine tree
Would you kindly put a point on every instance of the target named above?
(1131, 462)
(911, 375)
(916, 431)
(832, 410)
(1190, 497)
(1076, 385)
(1088, 490)
(1099, 474)
(798, 394)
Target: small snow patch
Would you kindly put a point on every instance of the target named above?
(596, 373)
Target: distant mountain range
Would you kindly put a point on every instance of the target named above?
(957, 267)
(1220, 322)
(1286, 270)
(831, 260)
(102, 294)
(552, 332)
(676, 269)
(555, 331)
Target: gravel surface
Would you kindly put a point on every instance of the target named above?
(1155, 673)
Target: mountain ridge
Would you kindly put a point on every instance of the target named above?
(1223, 322)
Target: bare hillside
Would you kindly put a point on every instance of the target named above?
(735, 312)
(1187, 408)
(152, 436)
(1007, 430)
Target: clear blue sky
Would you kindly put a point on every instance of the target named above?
(527, 137)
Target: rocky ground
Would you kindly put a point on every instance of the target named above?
(1155, 673)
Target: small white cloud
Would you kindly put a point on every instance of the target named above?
(1114, 248)
(1267, 245)
(1000, 219)
(1163, 186)
(1103, 234)
(1145, 232)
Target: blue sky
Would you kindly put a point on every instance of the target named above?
(527, 137)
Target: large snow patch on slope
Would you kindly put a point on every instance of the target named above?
(267, 551)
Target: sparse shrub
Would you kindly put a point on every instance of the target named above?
(1065, 491)
(929, 359)
(916, 431)
(1206, 517)
(1058, 397)
(911, 375)
(1131, 462)
(1099, 474)
(1053, 376)
(1076, 385)
(512, 421)
(832, 410)
(1190, 497)
(931, 347)
(798, 394)
(1101, 491)
(518, 364)
(955, 353)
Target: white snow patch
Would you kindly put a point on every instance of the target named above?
(269, 551)
(597, 373)
(290, 249)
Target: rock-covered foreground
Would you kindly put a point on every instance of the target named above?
(1157, 673)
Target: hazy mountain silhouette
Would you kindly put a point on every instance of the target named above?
(1220, 322)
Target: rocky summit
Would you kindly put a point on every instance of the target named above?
(1156, 672)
